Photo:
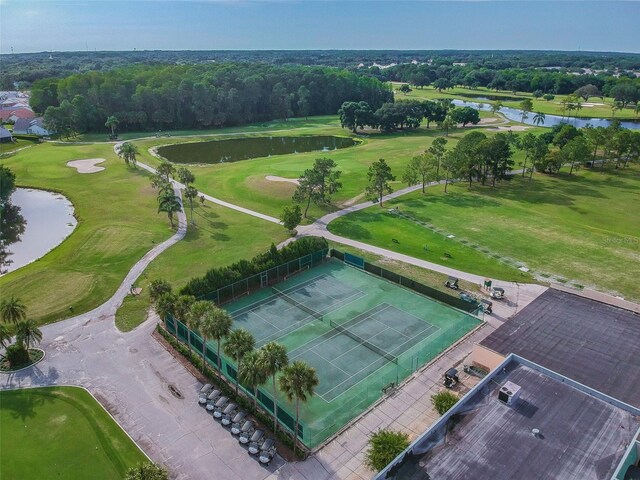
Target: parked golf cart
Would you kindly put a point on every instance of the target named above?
(212, 399)
(267, 451)
(204, 393)
(246, 432)
(452, 282)
(451, 378)
(237, 422)
(220, 406)
(496, 293)
(255, 442)
(487, 306)
(228, 413)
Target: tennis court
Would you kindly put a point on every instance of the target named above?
(360, 332)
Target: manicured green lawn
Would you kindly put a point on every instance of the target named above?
(539, 105)
(244, 182)
(61, 432)
(222, 236)
(581, 228)
(118, 223)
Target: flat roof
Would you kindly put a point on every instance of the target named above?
(583, 434)
(590, 342)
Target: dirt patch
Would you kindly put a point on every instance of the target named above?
(273, 178)
(513, 128)
(87, 165)
(352, 201)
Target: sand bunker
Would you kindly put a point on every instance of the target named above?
(86, 166)
(514, 128)
(273, 178)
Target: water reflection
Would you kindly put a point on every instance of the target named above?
(37, 222)
(237, 149)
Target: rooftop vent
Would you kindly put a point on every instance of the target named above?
(509, 393)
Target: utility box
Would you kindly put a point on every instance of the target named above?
(509, 393)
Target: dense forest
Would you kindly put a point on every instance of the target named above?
(29, 67)
(198, 96)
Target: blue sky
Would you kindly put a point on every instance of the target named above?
(32, 26)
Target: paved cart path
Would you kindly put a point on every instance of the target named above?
(130, 374)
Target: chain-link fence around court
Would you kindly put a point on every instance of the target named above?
(363, 335)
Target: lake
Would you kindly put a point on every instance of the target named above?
(237, 149)
(48, 220)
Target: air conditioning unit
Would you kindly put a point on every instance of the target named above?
(509, 393)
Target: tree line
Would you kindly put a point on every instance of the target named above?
(625, 87)
(198, 96)
(406, 115)
(26, 68)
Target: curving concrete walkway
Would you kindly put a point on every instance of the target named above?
(130, 375)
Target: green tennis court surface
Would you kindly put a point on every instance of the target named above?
(358, 331)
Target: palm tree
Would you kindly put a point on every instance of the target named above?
(217, 326)
(191, 193)
(539, 118)
(165, 307)
(251, 373)
(128, 152)
(112, 123)
(238, 344)
(28, 333)
(185, 176)
(194, 319)
(273, 359)
(170, 203)
(5, 336)
(298, 382)
(12, 310)
(495, 107)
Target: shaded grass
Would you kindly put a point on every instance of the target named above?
(117, 224)
(61, 432)
(580, 227)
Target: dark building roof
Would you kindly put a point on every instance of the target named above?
(583, 435)
(590, 342)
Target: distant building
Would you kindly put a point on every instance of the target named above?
(5, 135)
(13, 114)
(35, 126)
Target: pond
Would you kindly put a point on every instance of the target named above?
(237, 149)
(515, 115)
(38, 222)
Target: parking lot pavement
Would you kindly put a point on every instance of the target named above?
(130, 375)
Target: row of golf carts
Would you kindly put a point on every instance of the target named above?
(237, 420)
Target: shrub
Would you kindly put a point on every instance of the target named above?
(384, 446)
(157, 288)
(147, 471)
(443, 401)
(221, 277)
(17, 355)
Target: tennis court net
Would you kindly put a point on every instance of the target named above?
(295, 303)
(358, 338)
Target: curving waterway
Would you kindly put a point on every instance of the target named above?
(515, 115)
(47, 219)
